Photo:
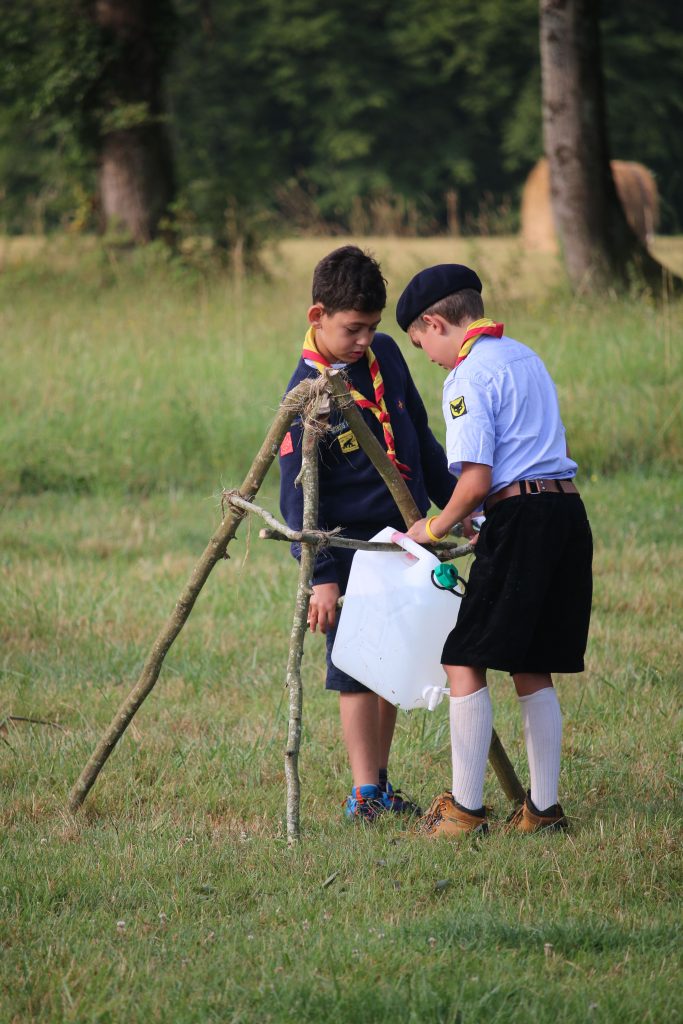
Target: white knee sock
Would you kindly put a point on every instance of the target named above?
(471, 724)
(542, 720)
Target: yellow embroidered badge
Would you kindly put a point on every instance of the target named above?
(347, 442)
(458, 407)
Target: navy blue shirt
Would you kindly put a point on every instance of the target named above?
(352, 493)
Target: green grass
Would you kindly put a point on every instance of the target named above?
(140, 376)
(183, 836)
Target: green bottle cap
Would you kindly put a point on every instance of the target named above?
(446, 576)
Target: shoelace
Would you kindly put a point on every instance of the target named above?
(515, 816)
(433, 817)
(403, 797)
(364, 801)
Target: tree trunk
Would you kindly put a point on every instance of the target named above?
(600, 248)
(136, 167)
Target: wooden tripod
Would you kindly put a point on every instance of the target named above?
(310, 399)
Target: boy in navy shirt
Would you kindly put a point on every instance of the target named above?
(528, 600)
(349, 294)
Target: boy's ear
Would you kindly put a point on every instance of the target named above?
(436, 322)
(315, 314)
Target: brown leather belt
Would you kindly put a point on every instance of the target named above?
(530, 487)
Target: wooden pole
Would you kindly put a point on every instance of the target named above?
(309, 483)
(214, 551)
(373, 449)
(330, 538)
(505, 772)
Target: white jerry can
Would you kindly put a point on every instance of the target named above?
(398, 610)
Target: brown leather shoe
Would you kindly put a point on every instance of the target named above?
(528, 818)
(446, 817)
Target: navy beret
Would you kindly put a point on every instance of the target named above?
(431, 285)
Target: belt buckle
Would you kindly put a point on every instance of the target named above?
(540, 487)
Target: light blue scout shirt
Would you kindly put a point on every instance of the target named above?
(501, 410)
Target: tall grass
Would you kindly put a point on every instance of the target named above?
(138, 375)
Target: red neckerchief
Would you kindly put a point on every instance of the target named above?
(474, 332)
(378, 408)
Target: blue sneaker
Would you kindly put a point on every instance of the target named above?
(364, 803)
(393, 800)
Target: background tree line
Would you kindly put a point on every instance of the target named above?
(374, 116)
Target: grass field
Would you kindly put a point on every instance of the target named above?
(132, 390)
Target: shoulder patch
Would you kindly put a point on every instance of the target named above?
(287, 447)
(347, 442)
(338, 428)
(458, 407)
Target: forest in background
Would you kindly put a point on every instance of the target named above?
(383, 118)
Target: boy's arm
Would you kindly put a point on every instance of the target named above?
(438, 480)
(469, 493)
(322, 607)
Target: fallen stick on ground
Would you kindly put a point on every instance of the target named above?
(30, 721)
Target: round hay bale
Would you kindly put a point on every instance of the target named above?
(538, 226)
(638, 193)
(636, 188)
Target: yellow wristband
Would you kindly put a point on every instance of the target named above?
(428, 529)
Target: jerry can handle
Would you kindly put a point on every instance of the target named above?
(411, 546)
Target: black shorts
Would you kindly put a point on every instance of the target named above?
(528, 599)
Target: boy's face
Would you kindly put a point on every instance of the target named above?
(345, 336)
(439, 340)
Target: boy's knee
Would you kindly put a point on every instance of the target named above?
(527, 683)
(465, 679)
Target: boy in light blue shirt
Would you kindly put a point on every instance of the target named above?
(506, 404)
(527, 606)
